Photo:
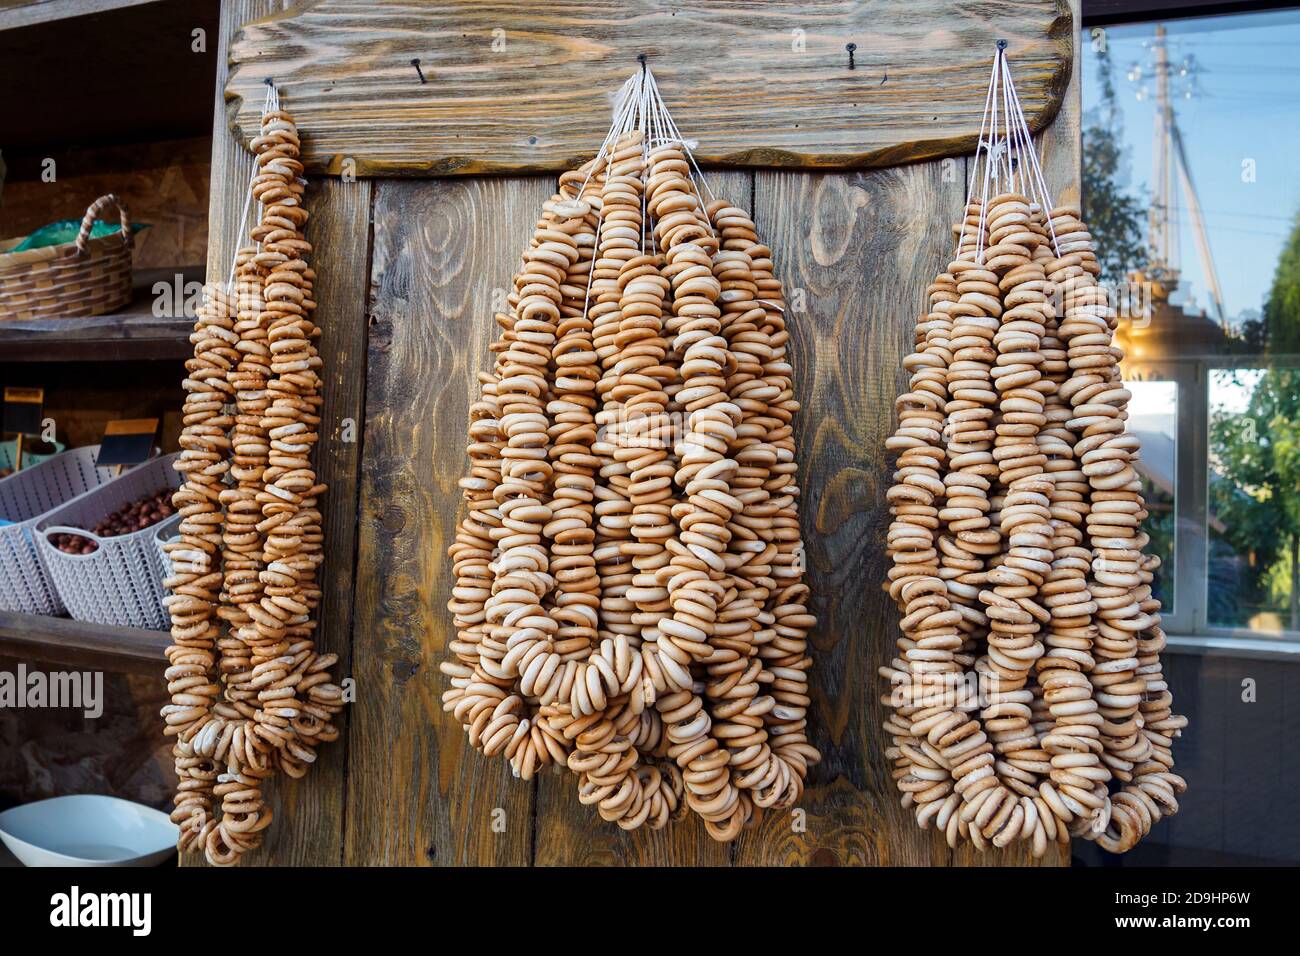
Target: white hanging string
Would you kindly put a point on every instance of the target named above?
(643, 124)
(270, 105)
(638, 106)
(1012, 137)
(624, 105)
(1036, 169)
(675, 136)
(992, 158)
(982, 145)
(239, 235)
(1006, 158)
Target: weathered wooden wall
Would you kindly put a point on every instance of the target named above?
(408, 270)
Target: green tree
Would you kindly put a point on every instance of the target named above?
(1257, 495)
(1281, 317)
(1114, 217)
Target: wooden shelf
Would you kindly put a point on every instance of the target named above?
(26, 13)
(83, 72)
(63, 641)
(133, 334)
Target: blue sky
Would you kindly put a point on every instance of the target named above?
(1245, 105)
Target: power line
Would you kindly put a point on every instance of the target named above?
(1246, 215)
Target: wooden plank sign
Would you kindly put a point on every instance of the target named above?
(127, 441)
(22, 411)
(528, 85)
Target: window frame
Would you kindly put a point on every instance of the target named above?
(1114, 13)
(1191, 578)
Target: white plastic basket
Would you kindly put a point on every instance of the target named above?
(120, 582)
(25, 497)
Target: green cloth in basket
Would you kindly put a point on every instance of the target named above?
(65, 230)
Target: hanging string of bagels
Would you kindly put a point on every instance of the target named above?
(629, 599)
(1027, 699)
(250, 694)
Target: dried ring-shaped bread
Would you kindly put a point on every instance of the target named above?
(635, 609)
(1017, 555)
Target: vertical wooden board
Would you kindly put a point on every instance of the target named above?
(1062, 142)
(569, 834)
(417, 793)
(309, 813)
(1061, 150)
(855, 252)
(231, 161)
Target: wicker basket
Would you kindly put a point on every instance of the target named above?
(25, 498)
(121, 581)
(84, 277)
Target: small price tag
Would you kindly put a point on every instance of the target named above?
(22, 411)
(127, 441)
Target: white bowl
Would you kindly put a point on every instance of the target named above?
(88, 830)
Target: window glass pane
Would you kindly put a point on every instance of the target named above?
(1254, 499)
(1191, 130)
(1191, 188)
(1153, 417)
